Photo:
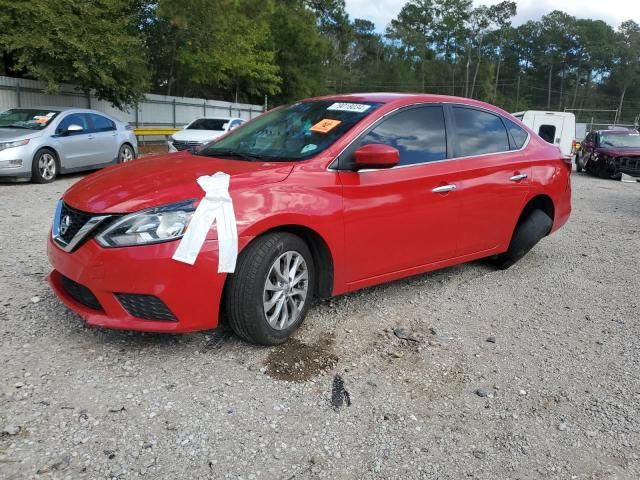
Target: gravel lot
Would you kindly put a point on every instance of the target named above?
(528, 373)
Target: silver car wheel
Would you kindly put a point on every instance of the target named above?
(285, 290)
(126, 154)
(47, 166)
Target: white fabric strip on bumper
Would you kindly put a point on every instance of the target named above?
(216, 205)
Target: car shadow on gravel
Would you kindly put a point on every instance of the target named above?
(74, 177)
(299, 359)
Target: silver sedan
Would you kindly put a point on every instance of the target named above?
(41, 143)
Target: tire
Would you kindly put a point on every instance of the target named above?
(256, 291)
(126, 153)
(578, 165)
(528, 232)
(45, 166)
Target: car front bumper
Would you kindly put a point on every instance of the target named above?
(191, 293)
(16, 161)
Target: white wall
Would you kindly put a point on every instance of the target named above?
(155, 110)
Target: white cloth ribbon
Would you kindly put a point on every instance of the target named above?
(216, 205)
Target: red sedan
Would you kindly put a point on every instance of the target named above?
(325, 196)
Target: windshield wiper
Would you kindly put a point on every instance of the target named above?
(14, 126)
(233, 153)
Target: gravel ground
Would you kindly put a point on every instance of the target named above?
(463, 373)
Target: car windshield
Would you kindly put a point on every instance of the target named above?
(219, 124)
(620, 140)
(290, 133)
(28, 118)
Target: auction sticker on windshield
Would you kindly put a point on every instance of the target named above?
(349, 107)
(325, 126)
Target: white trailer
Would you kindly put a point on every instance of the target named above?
(558, 128)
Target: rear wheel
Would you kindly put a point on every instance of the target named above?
(126, 153)
(45, 166)
(269, 294)
(528, 232)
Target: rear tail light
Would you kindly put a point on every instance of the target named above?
(573, 147)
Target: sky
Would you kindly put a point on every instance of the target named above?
(613, 12)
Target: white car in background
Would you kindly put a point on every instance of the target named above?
(40, 143)
(201, 131)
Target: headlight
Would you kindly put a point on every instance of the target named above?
(17, 143)
(156, 225)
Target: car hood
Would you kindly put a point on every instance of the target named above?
(619, 151)
(10, 134)
(163, 179)
(197, 135)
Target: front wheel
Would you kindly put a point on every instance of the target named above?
(268, 296)
(45, 166)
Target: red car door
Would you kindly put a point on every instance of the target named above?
(393, 218)
(492, 178)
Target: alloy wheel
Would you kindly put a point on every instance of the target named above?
(126, 154)
(285, 290)
(47, 166)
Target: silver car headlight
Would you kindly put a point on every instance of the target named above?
(156, 225)
(17, 143)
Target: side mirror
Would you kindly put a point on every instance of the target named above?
(376, 155)
(73, 128)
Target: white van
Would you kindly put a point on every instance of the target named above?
(558, 128)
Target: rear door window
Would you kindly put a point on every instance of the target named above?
(102, 124)
(419, 134)
(478, 133)
(547, 133)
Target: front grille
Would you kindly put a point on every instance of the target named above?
(77, 220)
(629, 165)
(146, 307)
(80, 293)
(185, 145)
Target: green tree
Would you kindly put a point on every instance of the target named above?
(626, 70)
(414, 28)
(501, 15)
(220, 46)
(301, 51)
(95, 44)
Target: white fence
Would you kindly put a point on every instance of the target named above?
(153, 111)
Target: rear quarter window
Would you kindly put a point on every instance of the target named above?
(518, 134)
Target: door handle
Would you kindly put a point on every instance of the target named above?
(518, 177)
(90, 137)
(444, 188)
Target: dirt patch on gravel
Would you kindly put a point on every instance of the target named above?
(295, 361)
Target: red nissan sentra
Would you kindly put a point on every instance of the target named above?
(329, 195)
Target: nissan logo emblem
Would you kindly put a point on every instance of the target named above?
(65, 223)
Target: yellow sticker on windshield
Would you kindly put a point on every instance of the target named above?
(325, 125)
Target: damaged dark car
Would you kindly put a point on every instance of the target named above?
(610, 153)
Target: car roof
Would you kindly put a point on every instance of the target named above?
(218, 118)
(54, 108)
(546, 112)
(402, 99)
(617, 131)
